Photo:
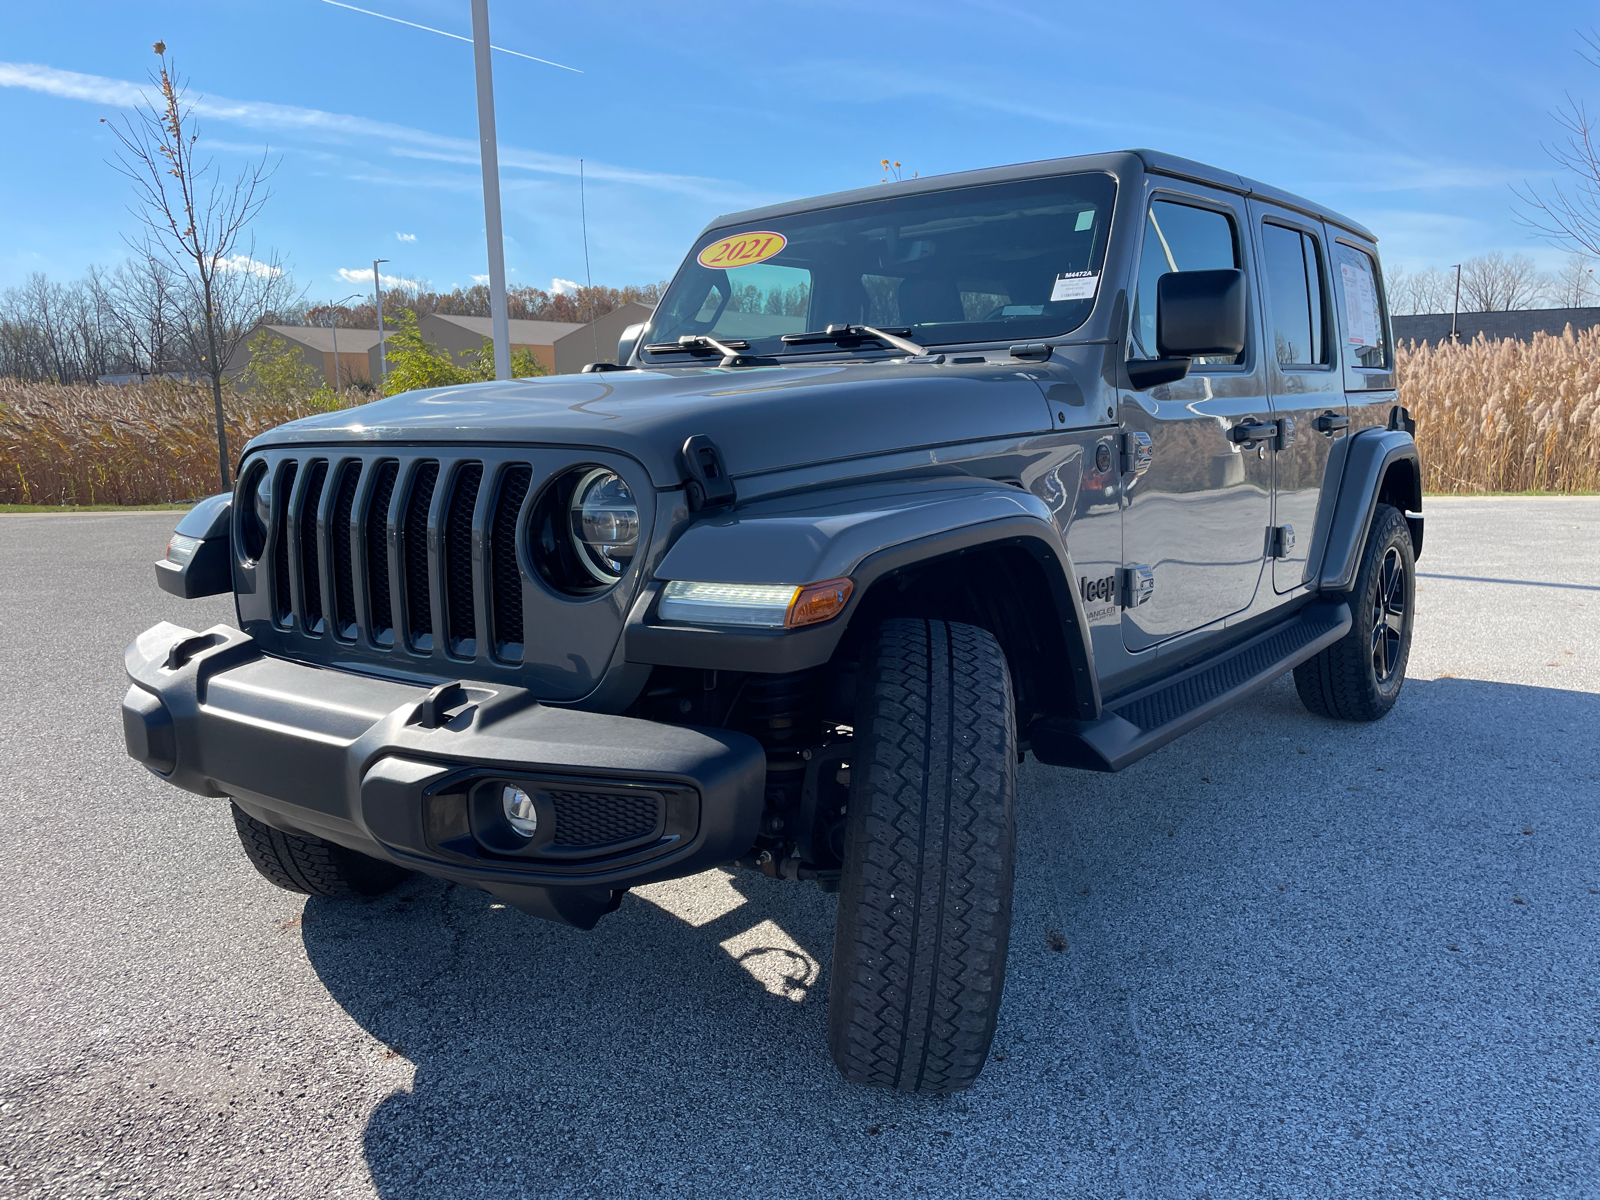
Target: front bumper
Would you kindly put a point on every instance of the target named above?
(404, 773)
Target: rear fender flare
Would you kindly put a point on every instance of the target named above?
(1377, 461)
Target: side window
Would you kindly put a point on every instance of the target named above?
(1363, 307)
(1295, 291)
(1178, 237)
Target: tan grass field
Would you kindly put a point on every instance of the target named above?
(1491, 417)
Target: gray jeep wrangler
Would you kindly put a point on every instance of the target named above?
(895, 487)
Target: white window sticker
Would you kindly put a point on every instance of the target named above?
(1075, 285)
(1360, 304)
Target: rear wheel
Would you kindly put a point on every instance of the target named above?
(1359, 677)
(312, 865)
(925, 899)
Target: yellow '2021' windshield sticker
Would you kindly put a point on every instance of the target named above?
(742, 249)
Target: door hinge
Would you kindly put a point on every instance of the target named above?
(1138, 585)
(1285, 437)
(1137, 451)
(1280, 541)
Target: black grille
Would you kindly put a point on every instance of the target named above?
(283, 608)
(344, 570)
(506, 577)
(310, 572)
(419, 597)
(588, 819)
(460, 621)
(378, 553)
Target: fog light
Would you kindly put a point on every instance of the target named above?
(520, 813)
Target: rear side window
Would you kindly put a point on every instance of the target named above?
(1179, 237)
(1295, 290)
(1363, 307)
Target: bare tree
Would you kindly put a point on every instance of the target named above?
(1428, 291)
(194, 224)
(1574, 285)
(1495, 283)
(1570, 215)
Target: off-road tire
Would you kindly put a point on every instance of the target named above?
(1359, 677)
(919, 951)
(298, 863)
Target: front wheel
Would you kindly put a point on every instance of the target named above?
(1359, 677)
(919, 950)
(312, 865)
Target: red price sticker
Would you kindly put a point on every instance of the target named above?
(742, 250)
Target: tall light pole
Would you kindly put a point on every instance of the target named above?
(490, 155)
(340, 303)
(1455, 311)
(383, 358)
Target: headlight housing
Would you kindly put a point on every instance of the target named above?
(758, 605)
(605, 525)
(584, 530)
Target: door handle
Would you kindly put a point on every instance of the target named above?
(1247, 433)
(1331, 423)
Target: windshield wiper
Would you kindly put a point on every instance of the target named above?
(854, 333)
(690, 343)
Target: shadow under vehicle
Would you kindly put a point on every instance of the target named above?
(894, 487)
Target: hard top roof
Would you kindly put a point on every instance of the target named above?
(1153, 162)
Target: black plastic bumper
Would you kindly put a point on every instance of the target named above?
(401, 772)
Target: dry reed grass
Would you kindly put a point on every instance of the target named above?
(1491, 417)
(1506, 416)
(147, 443)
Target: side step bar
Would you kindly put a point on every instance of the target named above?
(1145, 720)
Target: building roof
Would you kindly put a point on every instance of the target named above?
(523, 333)
(1519, 324)
(319, 338)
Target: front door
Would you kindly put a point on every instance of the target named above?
(1198, 517)
(1303, 373)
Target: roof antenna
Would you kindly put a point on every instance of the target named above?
(588, 279)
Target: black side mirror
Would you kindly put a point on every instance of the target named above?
(627, 342)
(1197, 313)
(1200, 312)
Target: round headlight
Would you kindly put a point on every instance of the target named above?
(605, 524)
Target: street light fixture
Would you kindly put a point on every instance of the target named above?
(339, 303)
(383, 357)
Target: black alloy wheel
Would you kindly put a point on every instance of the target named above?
(1359, 677)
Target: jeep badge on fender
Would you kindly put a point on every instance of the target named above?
(888, 477)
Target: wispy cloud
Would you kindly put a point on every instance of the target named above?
(363, 275)
(406, 237)
(480, 280)
(346, 128)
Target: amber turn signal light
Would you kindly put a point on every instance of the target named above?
(819, 602)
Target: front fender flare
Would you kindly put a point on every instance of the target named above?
(864, 533)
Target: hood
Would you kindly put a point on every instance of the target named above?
(762, 418)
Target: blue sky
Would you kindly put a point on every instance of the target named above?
(1415, 118)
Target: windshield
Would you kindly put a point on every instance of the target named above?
(998, 262)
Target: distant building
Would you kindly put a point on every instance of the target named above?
(1520, 325)
(314, 343)
(562, 346)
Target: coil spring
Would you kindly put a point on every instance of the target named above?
(783, 713)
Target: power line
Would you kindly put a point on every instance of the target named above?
(442, 33)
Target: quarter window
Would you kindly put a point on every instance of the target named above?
(1363, 307)
(1295, 290)
(1179, 237)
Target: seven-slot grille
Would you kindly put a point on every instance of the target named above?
(373, 550)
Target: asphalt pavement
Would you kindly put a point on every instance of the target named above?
(1281, 957)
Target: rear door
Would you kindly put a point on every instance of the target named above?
(1307, 390)
(1197, 518)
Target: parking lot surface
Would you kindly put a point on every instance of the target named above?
(1281, 957)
